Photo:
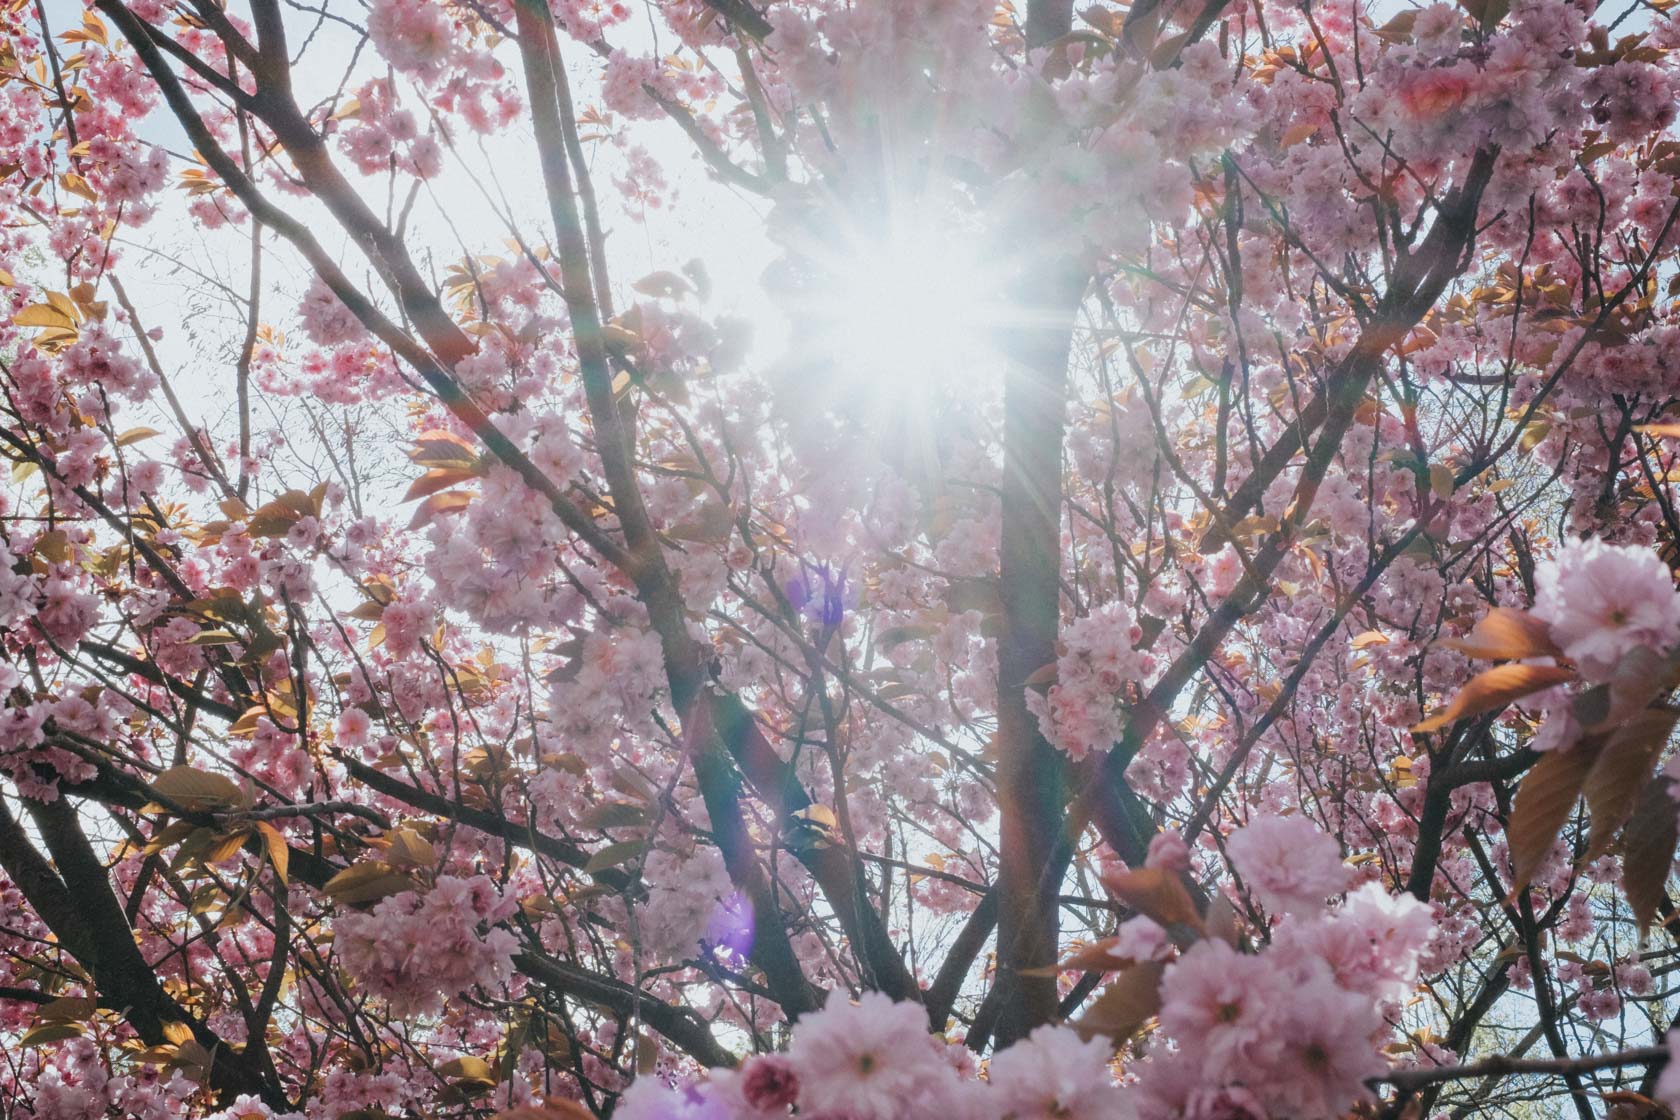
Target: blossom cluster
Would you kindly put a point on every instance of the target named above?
(1085, 709)
(1605, 601)
(1297, 1028)
(688, 655)
(416, 948)
(1613, 611)
(874, 1059)
(1293, 1030)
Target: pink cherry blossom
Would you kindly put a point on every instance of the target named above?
(869, 1059)
(1605, 600)
(416, 948)
(1289, 864)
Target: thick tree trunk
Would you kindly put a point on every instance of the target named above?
(1030, 772)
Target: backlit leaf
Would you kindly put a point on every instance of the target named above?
(67, 1009)
(1095, 956)
(44, 1033)
(1442, 480)
(197, 789)
(279, 853)
(226, 846)
(898, 635)
(43, 315)
(469, 1068)
(712, 523)
(1488, 13)
(1640, 676)
(366, 882)
(1494, 688)
(1299, 132)
(612, 814)
(664, 285)
(612, 855)
(135, 435)
(553, 1110)
(1155, 893)
(1043, 675)
(1221, 921)
(1504, 634)
(438, 448)
(438, 478)
(408, 848)
(451, 501)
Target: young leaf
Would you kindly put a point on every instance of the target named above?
(409, 849)
(1640, 676)
(612, 855)
(366, 882)
(1504, 634)
(279, 854)
(438, 448)
(225, 846)
(1494, 688)
(1648, 844)
(469, 1068)
(67, 1009)
(1125, 1005)
(1544, 800)
(1155, 893)
(1621, 772)
(450, 501)
(1221, 921)
(554, 1110)
(135, 435)
(1095, 956)
(43, 315)
(44, 1033)
(438, 478)
(612, 814)
(196, 789)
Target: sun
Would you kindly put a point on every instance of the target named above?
(909, 308)
(889, 320)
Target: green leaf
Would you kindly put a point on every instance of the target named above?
(613, 814)
(43, 1033)
(469, 1068)
(612, 855)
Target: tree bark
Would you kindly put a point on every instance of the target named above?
(1030, 771)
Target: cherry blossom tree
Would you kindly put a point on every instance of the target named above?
(1158, 602)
